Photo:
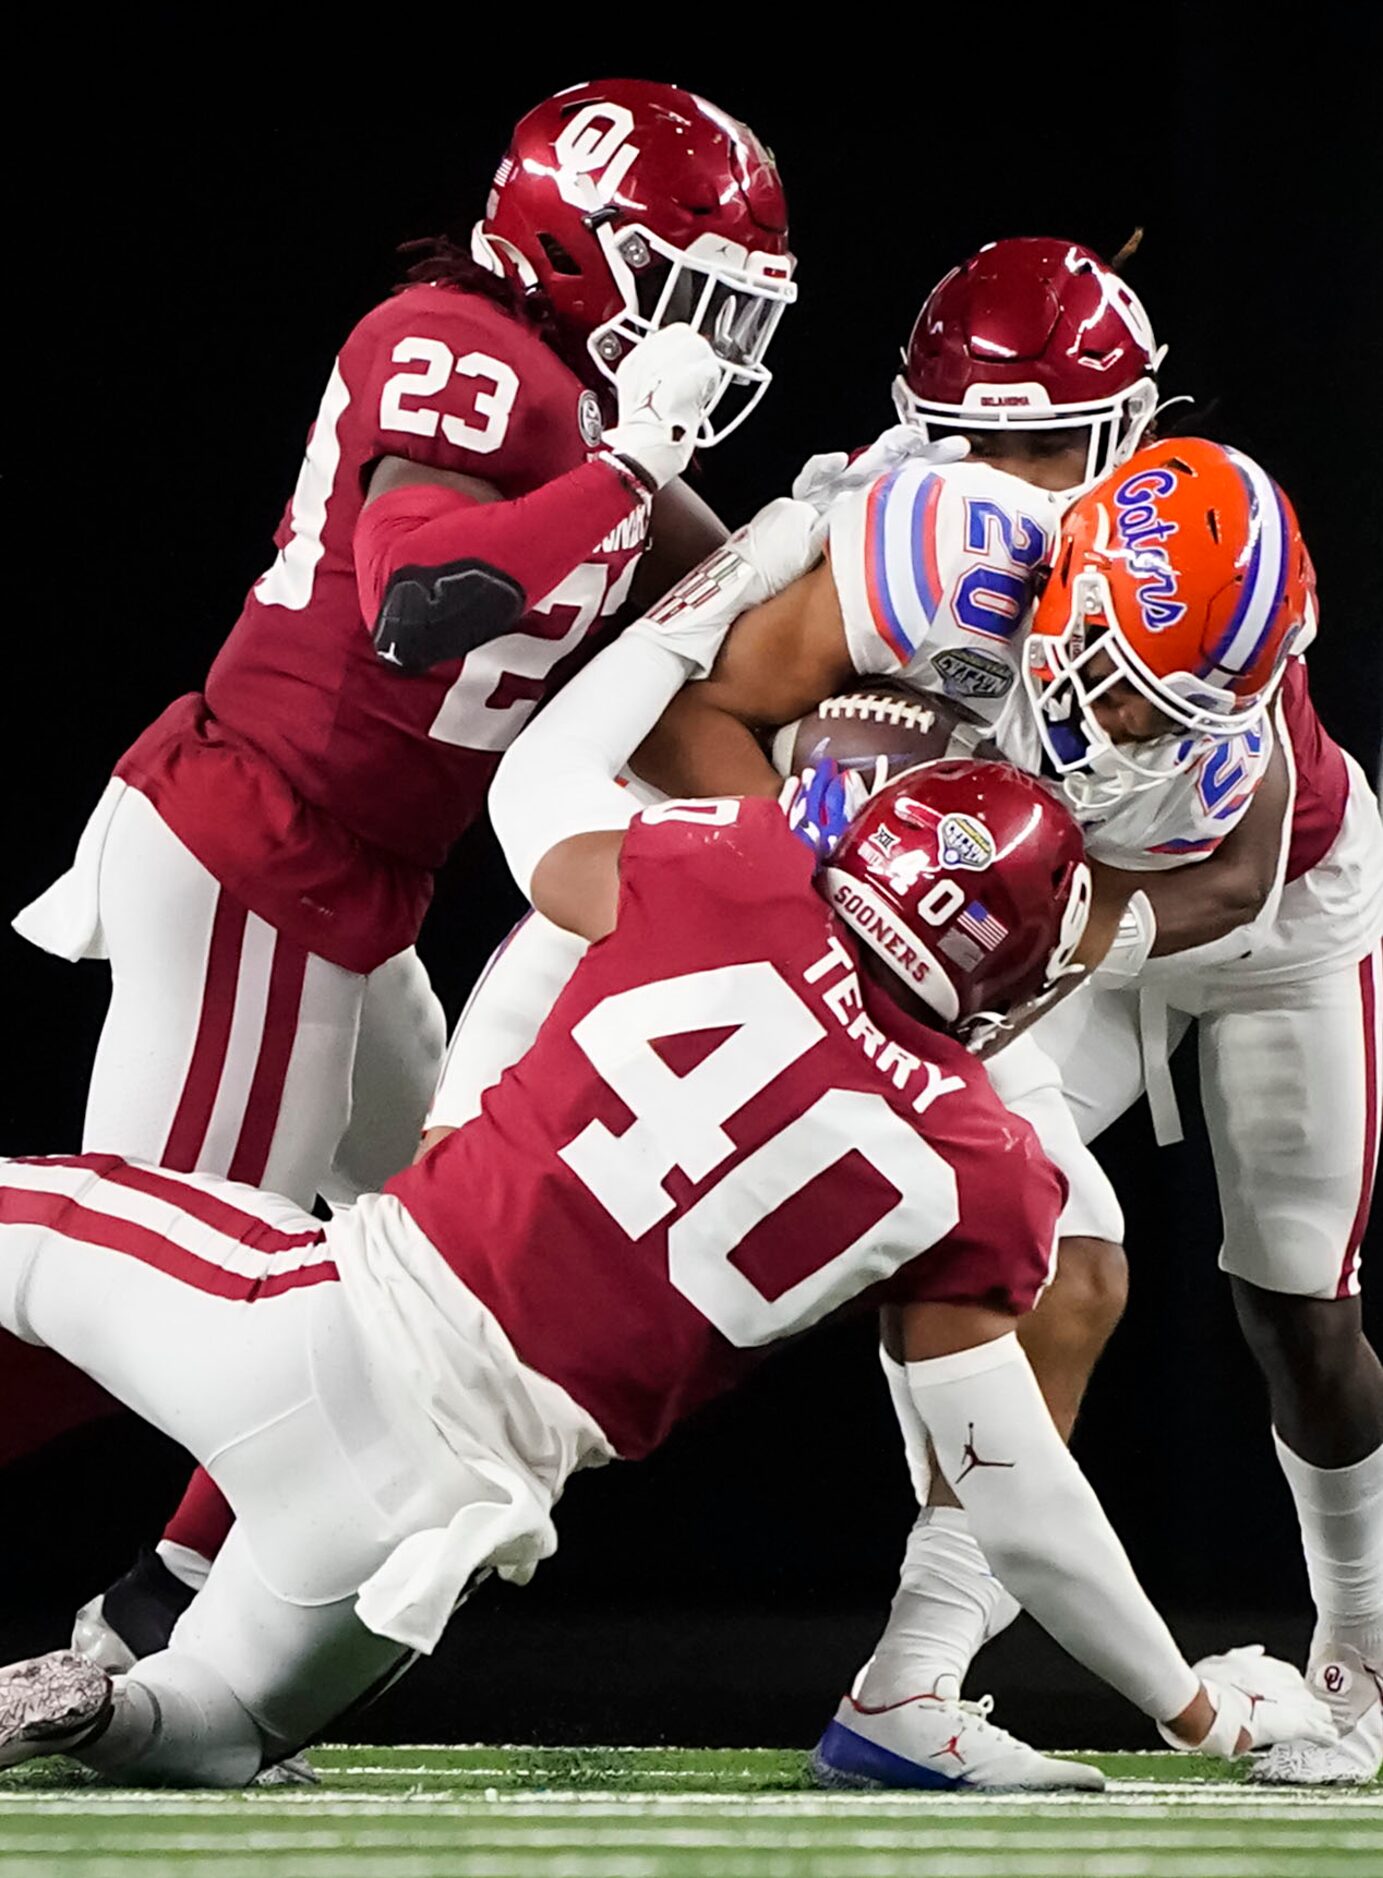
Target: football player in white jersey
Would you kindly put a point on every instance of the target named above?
(1295, 864)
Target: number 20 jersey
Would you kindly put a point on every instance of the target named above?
(315, 782)
(936, 569)
(723, 1133)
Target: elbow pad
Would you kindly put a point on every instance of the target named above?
(432, 614)
(440, 573)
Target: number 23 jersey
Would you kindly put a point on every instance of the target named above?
(724, 1132)
(317, 783)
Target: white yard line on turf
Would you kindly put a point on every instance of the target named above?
(262, 1806)
(662, 1858)
(973, 1843)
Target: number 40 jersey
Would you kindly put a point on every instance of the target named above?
(723, 1133)
(315, 782)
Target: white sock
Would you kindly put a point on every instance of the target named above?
(1340, 1511)
(948, 1603)
(177, 1720)
(187, 1566)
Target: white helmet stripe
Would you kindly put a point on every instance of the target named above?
(1263, 586)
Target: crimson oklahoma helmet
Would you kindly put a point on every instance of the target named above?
(631, 206)
(969, 879)
(1039, 334)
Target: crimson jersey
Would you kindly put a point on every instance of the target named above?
(1322, 780)
(316, 782)
(724, 1132)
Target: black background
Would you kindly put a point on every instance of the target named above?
(209, 222)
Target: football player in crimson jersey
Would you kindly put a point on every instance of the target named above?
(494, 470)
(750, 1109)
(1292, 869)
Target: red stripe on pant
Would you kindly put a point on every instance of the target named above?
(1368, 997)
(254, 1233)
(265, 1099)
(187, 1135)
(193, 1116)
(21, 1206)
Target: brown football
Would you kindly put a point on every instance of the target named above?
(881, 718)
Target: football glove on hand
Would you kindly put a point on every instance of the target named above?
(662, 387)
(823, 480)
(821, 803)
(783, 540)
(1259, 1697)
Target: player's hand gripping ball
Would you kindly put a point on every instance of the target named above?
(821, 803)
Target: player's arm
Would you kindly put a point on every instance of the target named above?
(1201, 901)
(555, 803)
(444, 563)
(683, 530)
(778, 662)
(1039, 1523)
(441, 569)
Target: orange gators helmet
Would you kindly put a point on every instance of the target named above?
(1184, 574)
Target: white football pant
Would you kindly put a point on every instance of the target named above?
(227, 1047)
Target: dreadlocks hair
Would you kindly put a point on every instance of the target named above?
(1127, 252)
(438, 261)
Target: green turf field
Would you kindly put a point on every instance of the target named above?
(434, 1812)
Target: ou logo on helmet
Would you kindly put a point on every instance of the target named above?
(594, 155)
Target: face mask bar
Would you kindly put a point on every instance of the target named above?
(1116, 425)
(736, 307)
(1096, 771)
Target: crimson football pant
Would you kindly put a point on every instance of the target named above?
(216, 1313)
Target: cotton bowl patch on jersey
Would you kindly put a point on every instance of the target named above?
(881, 718)
(967, 674)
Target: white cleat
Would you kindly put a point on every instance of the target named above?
(936, 1741)
(1353, 1692)
(296, 1771)
(50, 1705)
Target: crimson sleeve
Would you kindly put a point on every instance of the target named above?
(440, 573)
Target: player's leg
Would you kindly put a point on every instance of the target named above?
(398, 1055)
(948, 1603)
(1290, 1081)
(217, 1315)
(398, 1047)
(227, 1048)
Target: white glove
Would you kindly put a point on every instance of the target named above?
(1132, 943)
(663, 386)
(823, 480)
(765, 556)
(1257, 1696)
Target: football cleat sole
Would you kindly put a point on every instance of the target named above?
(50, 1704)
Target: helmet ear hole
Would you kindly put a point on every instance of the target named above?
(558, 259)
